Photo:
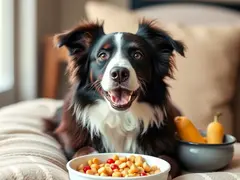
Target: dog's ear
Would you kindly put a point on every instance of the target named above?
(163, 44)
(80, 38)
(78, 41)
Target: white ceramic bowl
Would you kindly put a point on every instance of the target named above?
(75, 175)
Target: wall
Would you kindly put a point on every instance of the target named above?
(73, 10)
(121, 3)
(25, 47)
(48, 23)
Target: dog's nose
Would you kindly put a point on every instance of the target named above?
(119, 74)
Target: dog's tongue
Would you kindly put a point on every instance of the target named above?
(119, 97)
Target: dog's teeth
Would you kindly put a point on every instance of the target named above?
(129, 98)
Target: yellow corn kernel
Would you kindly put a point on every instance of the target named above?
(89, 172)
(116, 174)
(129, 163)
(124, 172)
(137, 174)
(116, 170)
(107, 165)
(151, 172)
(109, 170)
(120, 170)
(154, 168)
(140, 169)
(96, 166)
(132, 175)
(94, 170)
(81, 171)
(123, 165)
(102, 170)
(103, 174)
(118, 162)
(123, 159)
(115, 157)
(130, 171)
(90, 162)
(146, 167)
(157, 171)
(139, 163)
(101, 165)
(80, 167)
(138, 158)
(133, 169)
(126, 168)
(96, 161)
(131, 158)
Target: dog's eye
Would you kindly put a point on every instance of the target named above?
(137, 55)
(103, 56)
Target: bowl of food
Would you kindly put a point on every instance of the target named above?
(198, 157)
(203, 151)
(118, 166)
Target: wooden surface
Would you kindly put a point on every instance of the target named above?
(53, 57)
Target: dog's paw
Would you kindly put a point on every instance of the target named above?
(84, 151)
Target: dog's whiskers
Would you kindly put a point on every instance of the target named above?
(142, 83)
(93, 85)
(98, 87)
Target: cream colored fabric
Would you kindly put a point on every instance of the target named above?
(191, 14)
(26, 153)
(206, 78)
(115, 18)
(210, 176)
(234, 166)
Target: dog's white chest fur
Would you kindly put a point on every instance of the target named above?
(119, 130)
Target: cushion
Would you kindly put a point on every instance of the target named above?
(210, 176)
(126, 20)
(26, 151)
(200, 14)
(206, 79)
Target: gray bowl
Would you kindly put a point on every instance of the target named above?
(196, 157)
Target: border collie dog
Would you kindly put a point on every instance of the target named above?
(118, 100)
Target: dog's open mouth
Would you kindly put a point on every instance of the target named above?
(120, 99)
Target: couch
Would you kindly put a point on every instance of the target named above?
(207, 80)
(27, 153)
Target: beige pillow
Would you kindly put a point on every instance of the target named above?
(206, 79)
(115, 18)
